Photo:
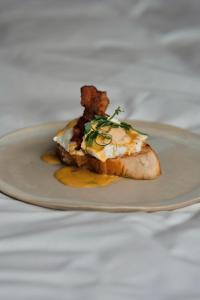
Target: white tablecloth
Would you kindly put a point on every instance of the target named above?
(146, 54)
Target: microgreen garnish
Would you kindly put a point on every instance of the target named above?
(103, 139)
(99, 134)
(116, 113)
(87, 128)
(91, 136)
(126, 126)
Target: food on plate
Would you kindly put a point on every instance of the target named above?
(82, 177)
(50, 158)
(103, 144)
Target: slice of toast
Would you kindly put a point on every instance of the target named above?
(142, 165)
(70, 160)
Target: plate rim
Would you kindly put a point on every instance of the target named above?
(10, 191)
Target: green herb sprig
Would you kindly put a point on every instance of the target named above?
(116, 113)
(102, 122)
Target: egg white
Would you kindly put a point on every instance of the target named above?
(122, 144)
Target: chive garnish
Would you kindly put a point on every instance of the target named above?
(95, 134)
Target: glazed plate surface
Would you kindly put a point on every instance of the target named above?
(24, 176)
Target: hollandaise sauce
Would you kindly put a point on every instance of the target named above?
(50, 158)
(83, 178)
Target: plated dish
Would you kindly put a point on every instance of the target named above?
(27, 177)
(24, 176)
(103, 144)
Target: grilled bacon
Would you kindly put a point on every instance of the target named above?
(95, 103)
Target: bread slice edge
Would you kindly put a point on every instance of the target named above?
(142, 165)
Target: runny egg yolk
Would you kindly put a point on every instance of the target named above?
(83, 178)
(115, 142)
(50, 158)
(122, 142)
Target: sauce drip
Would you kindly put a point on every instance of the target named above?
(50, 158)
(83, 178)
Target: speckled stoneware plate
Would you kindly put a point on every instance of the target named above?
(25, 177)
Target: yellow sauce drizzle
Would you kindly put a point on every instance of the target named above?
(50, 158)
(83, 178)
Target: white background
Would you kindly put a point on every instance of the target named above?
(146, 54)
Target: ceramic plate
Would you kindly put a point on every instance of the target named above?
(25, 177)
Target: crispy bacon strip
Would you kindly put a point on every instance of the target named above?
(95, 103)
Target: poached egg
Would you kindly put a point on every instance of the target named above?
(122, 142)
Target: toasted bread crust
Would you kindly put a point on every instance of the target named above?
(142, 165)
(68, 159)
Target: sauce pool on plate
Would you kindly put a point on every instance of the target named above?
(83, 178)
(77, 177)
(50, 158)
